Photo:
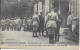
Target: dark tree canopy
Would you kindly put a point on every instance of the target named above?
(21, 8)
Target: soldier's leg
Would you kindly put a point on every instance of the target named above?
(30, 27)
(15, 27)
(56, 32)
(23, 28)
(39, 31)
(57, 35)
(7, 27)
(10, 27)
(20, 28)
(53, 37)
(50, 38)
(33, 30)
(2, 28)
(46, 32)
(42, 31)
(36, 31)
(33, 33)
(51, 33)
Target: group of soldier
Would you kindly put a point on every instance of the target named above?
(51, 25)
(36, 23)
(16, 24)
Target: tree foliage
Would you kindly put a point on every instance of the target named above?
(21, 8)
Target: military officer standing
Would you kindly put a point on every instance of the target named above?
(52, 25)
(41, 24)
(7, 23)
(3, 22)
(35, 21)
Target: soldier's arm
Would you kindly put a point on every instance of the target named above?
(58, 18)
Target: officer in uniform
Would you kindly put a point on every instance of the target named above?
(7, 23)
(29, 23)
(18, 25)
(12, 24)
(41, 24)
(3, 22)
(69, 21)
(35, 21)
(14, 28)
(46, 20)
(58, 27)
(52, 25)
(24, 24)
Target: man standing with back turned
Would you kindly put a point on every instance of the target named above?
(35, 21)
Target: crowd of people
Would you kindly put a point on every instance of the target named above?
(16, 24)
(51, 25)
(36, 23)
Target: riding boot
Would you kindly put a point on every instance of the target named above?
(33, 33)
(42, 33)
(36, 33)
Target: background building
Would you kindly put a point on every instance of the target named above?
(62, 7)
(0, 8)
(75, 10)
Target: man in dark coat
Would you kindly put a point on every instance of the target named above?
(41, 23)
(58, 27)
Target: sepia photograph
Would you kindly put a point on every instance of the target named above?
(39, 23)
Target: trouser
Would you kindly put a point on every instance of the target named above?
(12, 27)
(24, 28)
(15, 27)
(35, 31)
(70, 27)
(46, 32)
(3, 27)
(18, 27)
(57, 31)
(51, 38)
(57, 34)
(51, 32)
(29, 27)
(7, 27)
(41, 29)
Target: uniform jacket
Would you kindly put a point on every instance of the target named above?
(35, 20)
